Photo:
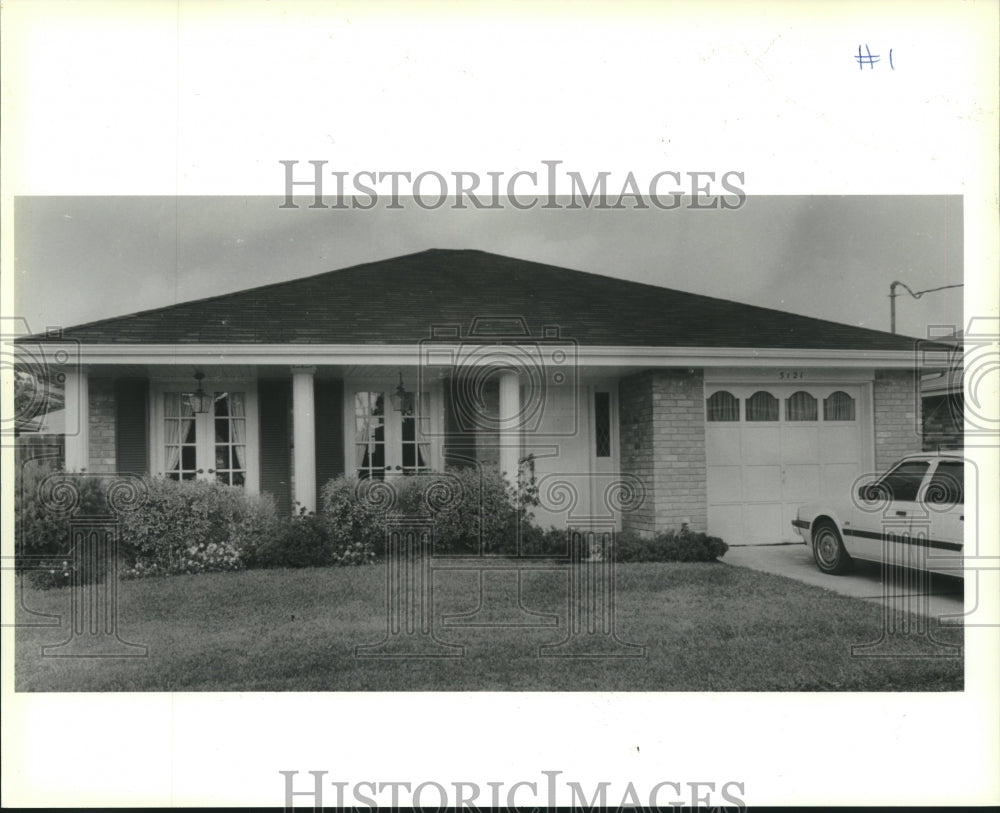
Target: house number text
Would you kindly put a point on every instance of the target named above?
(791, 375)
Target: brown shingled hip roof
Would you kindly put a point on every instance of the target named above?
(400, 300)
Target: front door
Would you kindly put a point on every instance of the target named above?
(574, 456)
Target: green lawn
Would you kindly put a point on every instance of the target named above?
(706, 627)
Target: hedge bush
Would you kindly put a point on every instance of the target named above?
(193, 527)
(350, 512)
(198, 527)
(306, 540)
(472, 509)
(671, 546)
(42, 531)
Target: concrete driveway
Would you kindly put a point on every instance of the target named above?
(926, 594)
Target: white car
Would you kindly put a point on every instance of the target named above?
(912, 516)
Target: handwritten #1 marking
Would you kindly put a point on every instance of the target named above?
(867, 57)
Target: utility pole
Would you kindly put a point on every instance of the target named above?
(914, 294)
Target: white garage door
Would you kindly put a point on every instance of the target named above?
(772, 448)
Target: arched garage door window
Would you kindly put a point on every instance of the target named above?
(800, 406)
(838, 406)
(722, 406)
(762, 406)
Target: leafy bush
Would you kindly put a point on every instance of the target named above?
(671, 546)
(49, 573)
(538, 542)
(471, 509)
(192, 527)
(42, 530)
(353, 512)
(306, 540)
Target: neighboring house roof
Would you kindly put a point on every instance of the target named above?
(396, 301)
(946, 382)
(51, 423)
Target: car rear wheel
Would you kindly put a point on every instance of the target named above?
(828, 549)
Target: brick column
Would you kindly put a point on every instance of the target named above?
(662, 439)
(679, 449)
(897, 416)
(102, 426)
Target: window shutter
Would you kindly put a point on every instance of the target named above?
(131, 426)
(274, 404)
(328, 394)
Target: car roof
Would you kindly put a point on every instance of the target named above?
(932, 456)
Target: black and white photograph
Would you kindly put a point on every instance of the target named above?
(527, 473)
(653, 461)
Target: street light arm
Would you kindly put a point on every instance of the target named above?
(918, 294)
(914, 294)
(893, 294)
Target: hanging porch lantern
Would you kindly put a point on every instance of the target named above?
(199, 401)
(402, 400)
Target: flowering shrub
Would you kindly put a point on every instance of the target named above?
(352, 553)
(192, 527)
(50, 573)
(203, 557)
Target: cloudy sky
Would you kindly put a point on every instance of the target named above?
(85, 258)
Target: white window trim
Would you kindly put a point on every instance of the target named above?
(156, 434)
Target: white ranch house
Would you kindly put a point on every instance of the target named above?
(727, 416)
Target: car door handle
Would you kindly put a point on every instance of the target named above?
(900, 513)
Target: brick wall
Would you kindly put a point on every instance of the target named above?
(897, 416)
(662, 438)
(102, 426)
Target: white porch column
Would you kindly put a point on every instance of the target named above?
(77, 403)
(510, 424)
(304, 436)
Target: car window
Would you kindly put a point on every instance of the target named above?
(947, 483)
(903, 482)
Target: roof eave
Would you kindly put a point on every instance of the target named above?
(412, 354)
